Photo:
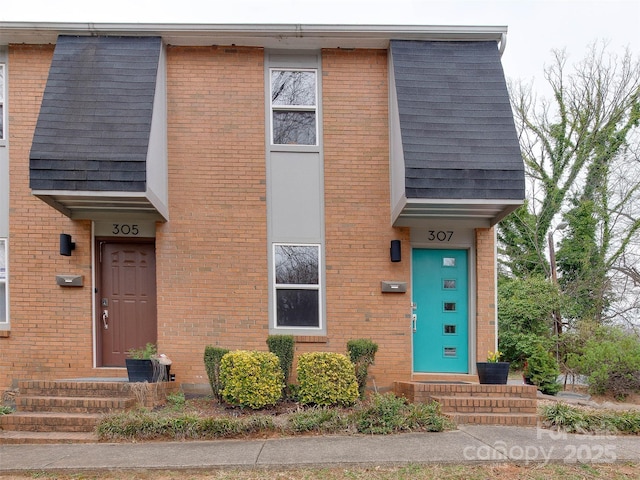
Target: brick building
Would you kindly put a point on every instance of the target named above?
(223, 183)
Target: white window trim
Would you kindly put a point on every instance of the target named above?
(294, 108)
(317, 287)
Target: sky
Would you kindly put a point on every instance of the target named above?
(536, 27)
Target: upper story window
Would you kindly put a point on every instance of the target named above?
(297, 285)
(294, 108)
(2, 83)
(4, 317)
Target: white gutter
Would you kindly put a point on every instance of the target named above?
(265, 35)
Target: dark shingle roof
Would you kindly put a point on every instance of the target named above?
(458, 135)
(93, 129)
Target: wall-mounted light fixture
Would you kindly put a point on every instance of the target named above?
(66, 245)
(396, 251)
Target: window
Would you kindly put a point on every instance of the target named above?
(297, 285)
(293, 107)
(4, 317)
(2, 101)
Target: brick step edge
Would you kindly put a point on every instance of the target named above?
(50, 422)
(512, 419)
(20, 437)
(487, 405)
(36, 403)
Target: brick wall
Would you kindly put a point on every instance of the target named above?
(212, 283)
(211, 255)
(485, 295)
(358, 230)
(51, 327)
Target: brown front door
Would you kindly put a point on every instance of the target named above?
(126, 298)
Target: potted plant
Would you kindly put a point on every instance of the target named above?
(145, 365)
(493, 371)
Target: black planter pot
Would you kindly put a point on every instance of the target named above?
(493, 373)
(142, 370)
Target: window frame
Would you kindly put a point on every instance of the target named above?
(3, 101)
(294, 108)
(295, 286)
(4, 280)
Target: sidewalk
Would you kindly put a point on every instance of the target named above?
(467, 444)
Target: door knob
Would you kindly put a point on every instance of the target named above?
(105, 316)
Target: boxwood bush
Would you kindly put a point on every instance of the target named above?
(362, 352)
(283, 346)
(326, 379)
(251, 379)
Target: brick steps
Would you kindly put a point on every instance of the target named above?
(21, 437)
(73, 404)
(473, 403)
(50, 421)
(68, 411)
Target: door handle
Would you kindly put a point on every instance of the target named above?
(414, 322)
(105, 316)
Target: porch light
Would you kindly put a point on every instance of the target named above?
(66, 245)
(396, 251)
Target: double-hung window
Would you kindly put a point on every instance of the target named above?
(4, 317)
(294, 107)
(297, 285)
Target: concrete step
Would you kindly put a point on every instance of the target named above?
(49, 422)
(512, 419)
(463, 404)
(18, 437)
(73, 404)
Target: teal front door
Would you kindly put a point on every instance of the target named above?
(441, 311)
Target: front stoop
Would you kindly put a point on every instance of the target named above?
(68, 411)
(473, 403)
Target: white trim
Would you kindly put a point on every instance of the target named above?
(283, 36)
(4, 279)
(319, 287)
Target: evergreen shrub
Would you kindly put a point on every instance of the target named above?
(326, 379)
(362, 352)
(283, 347)
(251, 379)
(212, 358)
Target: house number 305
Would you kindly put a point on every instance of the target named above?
(440, 235)
(125, 229)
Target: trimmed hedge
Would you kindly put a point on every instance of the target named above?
(251, 379)
(283, 346)
(362, 352)
(326, 379)
(212, 358)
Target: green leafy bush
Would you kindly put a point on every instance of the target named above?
(385, 414)
(251, 379)
(212, 358)
(283, 347)
(525, 316)
(543, 370)
(572, 419)
(145, 353)
(326, 379)
(362, 352)
(611, 361)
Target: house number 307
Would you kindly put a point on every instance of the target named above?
(440, 235)
(125, 229)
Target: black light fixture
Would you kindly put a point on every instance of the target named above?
(396, 251)
(66, 245)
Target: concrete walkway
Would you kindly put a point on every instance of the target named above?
(467, 444)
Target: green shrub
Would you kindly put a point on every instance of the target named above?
(611, 361)
(572, 419)
(318, 420)
(543, 370)
(251, 379)
(326, 379)
(145, 353)
(212, 357)
(385, 414)
(362, 352)
(283, 347)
